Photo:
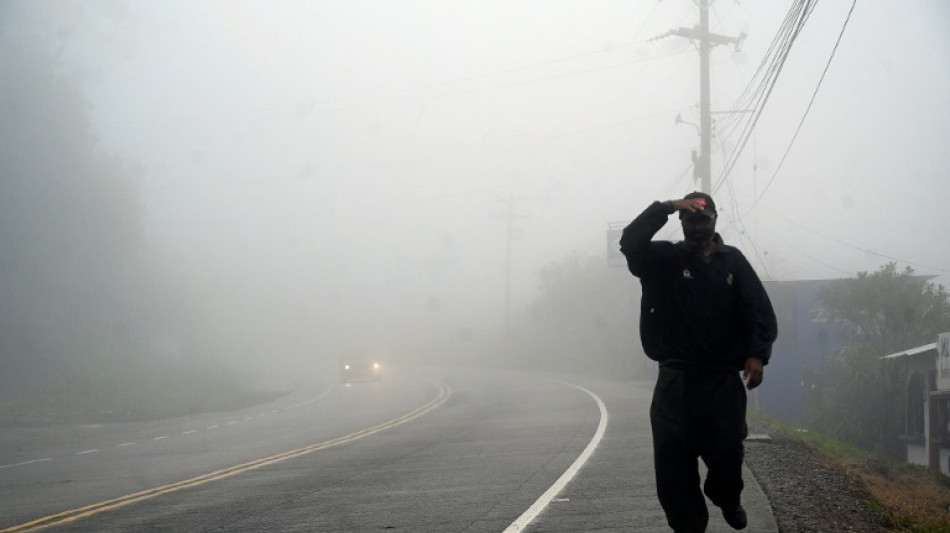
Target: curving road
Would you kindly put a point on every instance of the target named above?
(444, 450)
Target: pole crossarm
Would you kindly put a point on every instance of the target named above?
(697, 34)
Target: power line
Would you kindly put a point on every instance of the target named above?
(614, 124)
(756, 93)
(537, 79)
(802, 252)
(767, 75)
(741, 227)
(562, 59)
(807, 109)
(859, 248)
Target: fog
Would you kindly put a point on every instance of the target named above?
(295, 180)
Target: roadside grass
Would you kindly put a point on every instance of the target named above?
(110, 391)
(909, 498)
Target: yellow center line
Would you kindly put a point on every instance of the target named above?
(88, 510)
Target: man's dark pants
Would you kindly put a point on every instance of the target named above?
(697, 414)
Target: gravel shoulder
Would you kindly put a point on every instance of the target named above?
(807, 494)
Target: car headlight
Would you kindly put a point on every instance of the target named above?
(375, 366)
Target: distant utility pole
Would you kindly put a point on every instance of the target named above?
(702, 169)
(510, 216)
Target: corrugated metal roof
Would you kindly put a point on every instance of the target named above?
(912, 351)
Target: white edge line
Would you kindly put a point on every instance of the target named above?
(542, 502)
(27, 462)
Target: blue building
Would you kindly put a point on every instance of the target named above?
(806, 336)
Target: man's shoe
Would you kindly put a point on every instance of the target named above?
(736, 517)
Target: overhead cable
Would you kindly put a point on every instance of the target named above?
(807, 109)
(756, 94)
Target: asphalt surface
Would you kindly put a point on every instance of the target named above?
(421, 451)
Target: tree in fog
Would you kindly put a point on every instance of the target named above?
(85, 304)
(69, 216)
(583, 320)
(860, 395)
(892, 310)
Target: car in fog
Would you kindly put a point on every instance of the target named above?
(360, 369)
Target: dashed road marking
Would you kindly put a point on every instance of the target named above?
(126, 444)
(27, 462)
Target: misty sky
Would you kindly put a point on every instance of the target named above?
(343, 148)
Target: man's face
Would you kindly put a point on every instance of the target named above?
(698, 231)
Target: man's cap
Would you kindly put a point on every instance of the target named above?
(709, 206)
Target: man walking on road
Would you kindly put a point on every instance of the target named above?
(704, 317)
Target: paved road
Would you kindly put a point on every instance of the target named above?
(425, 451)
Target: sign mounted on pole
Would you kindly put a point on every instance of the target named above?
(614, 257)
(943, 361)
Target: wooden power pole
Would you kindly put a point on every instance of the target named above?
(703, 168)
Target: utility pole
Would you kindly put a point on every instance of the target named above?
(511, 234)
(702, 169)
(510, 215)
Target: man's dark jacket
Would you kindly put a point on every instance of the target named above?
(709, 311)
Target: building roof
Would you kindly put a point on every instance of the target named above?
(912, 351)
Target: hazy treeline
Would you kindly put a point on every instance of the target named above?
(584, 320)
(70, 227)
(92, 318)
